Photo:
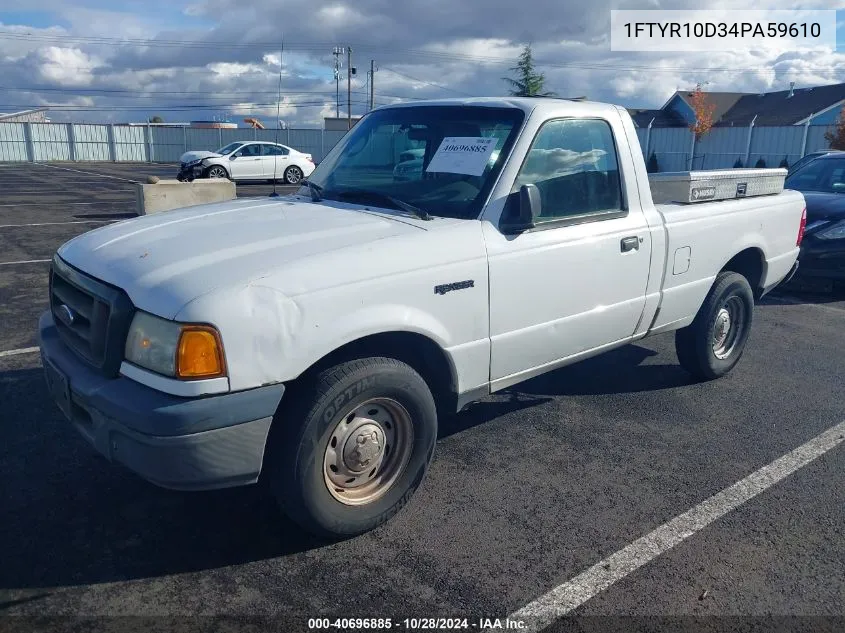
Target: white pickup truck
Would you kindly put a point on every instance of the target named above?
(312, 341)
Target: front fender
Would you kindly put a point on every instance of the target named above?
(270, 338)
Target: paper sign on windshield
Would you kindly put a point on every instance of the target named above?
(462, 155)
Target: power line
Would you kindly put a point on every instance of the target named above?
(430, 83)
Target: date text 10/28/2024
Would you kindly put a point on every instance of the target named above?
(415, 624)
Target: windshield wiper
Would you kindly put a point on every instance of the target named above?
(378, 195)
(315, 190)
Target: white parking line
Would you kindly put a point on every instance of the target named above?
(89, 173)
(15, 352)
(572, 594)
(25, 261)
(6, 226)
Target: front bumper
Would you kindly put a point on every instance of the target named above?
(189, 172)
(179, 443)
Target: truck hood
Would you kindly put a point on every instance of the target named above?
(189, 157)
(164, 261)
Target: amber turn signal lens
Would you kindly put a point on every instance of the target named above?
(200, 353)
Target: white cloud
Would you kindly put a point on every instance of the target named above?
(67, 66)
(440, 48)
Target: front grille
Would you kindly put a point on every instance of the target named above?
(91, 317)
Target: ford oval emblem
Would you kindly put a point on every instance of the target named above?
(66, 315)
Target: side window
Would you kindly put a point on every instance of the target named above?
(574, 165)
(274, 150)
(249, 151)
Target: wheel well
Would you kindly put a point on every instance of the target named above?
(417, 350)
(749, 264)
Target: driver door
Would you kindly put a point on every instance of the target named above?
(577, 281)
(247, 163)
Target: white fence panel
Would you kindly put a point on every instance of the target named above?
(815, 138)
(776, 144)
(50, 141)
(90, 142)
(13, 142)
(203, 139)
(721, 148)
(130, 143)
(672, 147)
(169, 143)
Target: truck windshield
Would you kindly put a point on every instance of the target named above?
(443, 160)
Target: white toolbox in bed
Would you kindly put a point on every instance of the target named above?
(715, 184)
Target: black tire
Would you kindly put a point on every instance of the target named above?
(696, 344)
(216, 169)
(296, 472)
(293, 175)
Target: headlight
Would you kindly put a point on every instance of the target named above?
(174, 349)
(835, 232)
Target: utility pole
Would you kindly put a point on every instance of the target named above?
(338, 51)
(349, 72)
(372, 82)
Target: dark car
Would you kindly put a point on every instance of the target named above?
(822, 181)
(807, 158)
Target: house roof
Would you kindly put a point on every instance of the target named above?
(662, 118)
(723, 101)
(11, 115)
(778, 108)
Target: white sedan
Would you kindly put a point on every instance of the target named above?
(247, 161)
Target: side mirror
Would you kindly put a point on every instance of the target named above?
(529, 209)
(232, 157)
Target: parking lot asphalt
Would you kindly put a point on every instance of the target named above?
(528, 488)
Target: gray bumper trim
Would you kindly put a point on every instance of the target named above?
(181, 443)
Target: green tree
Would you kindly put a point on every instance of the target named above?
(651, 166)
(761, 163)
(528, 82)
(156, 119)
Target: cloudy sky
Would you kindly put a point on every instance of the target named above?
(204, 59)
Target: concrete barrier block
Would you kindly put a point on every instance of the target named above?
(166, 195)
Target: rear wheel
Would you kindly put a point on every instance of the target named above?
(714, 342)
(293, 175)
(353, 446)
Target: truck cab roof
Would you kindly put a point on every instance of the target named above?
(541, 105)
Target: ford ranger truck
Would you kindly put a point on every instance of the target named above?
(311, 342)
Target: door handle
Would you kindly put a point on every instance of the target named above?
(630, 244)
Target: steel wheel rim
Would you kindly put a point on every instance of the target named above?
(294, 175)
(216, 172)
(728, 327)
(368, 449)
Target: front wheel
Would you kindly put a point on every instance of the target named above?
(714, 342)
(353, 446)
(216, 171)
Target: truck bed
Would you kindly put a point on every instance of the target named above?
(702, 237)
